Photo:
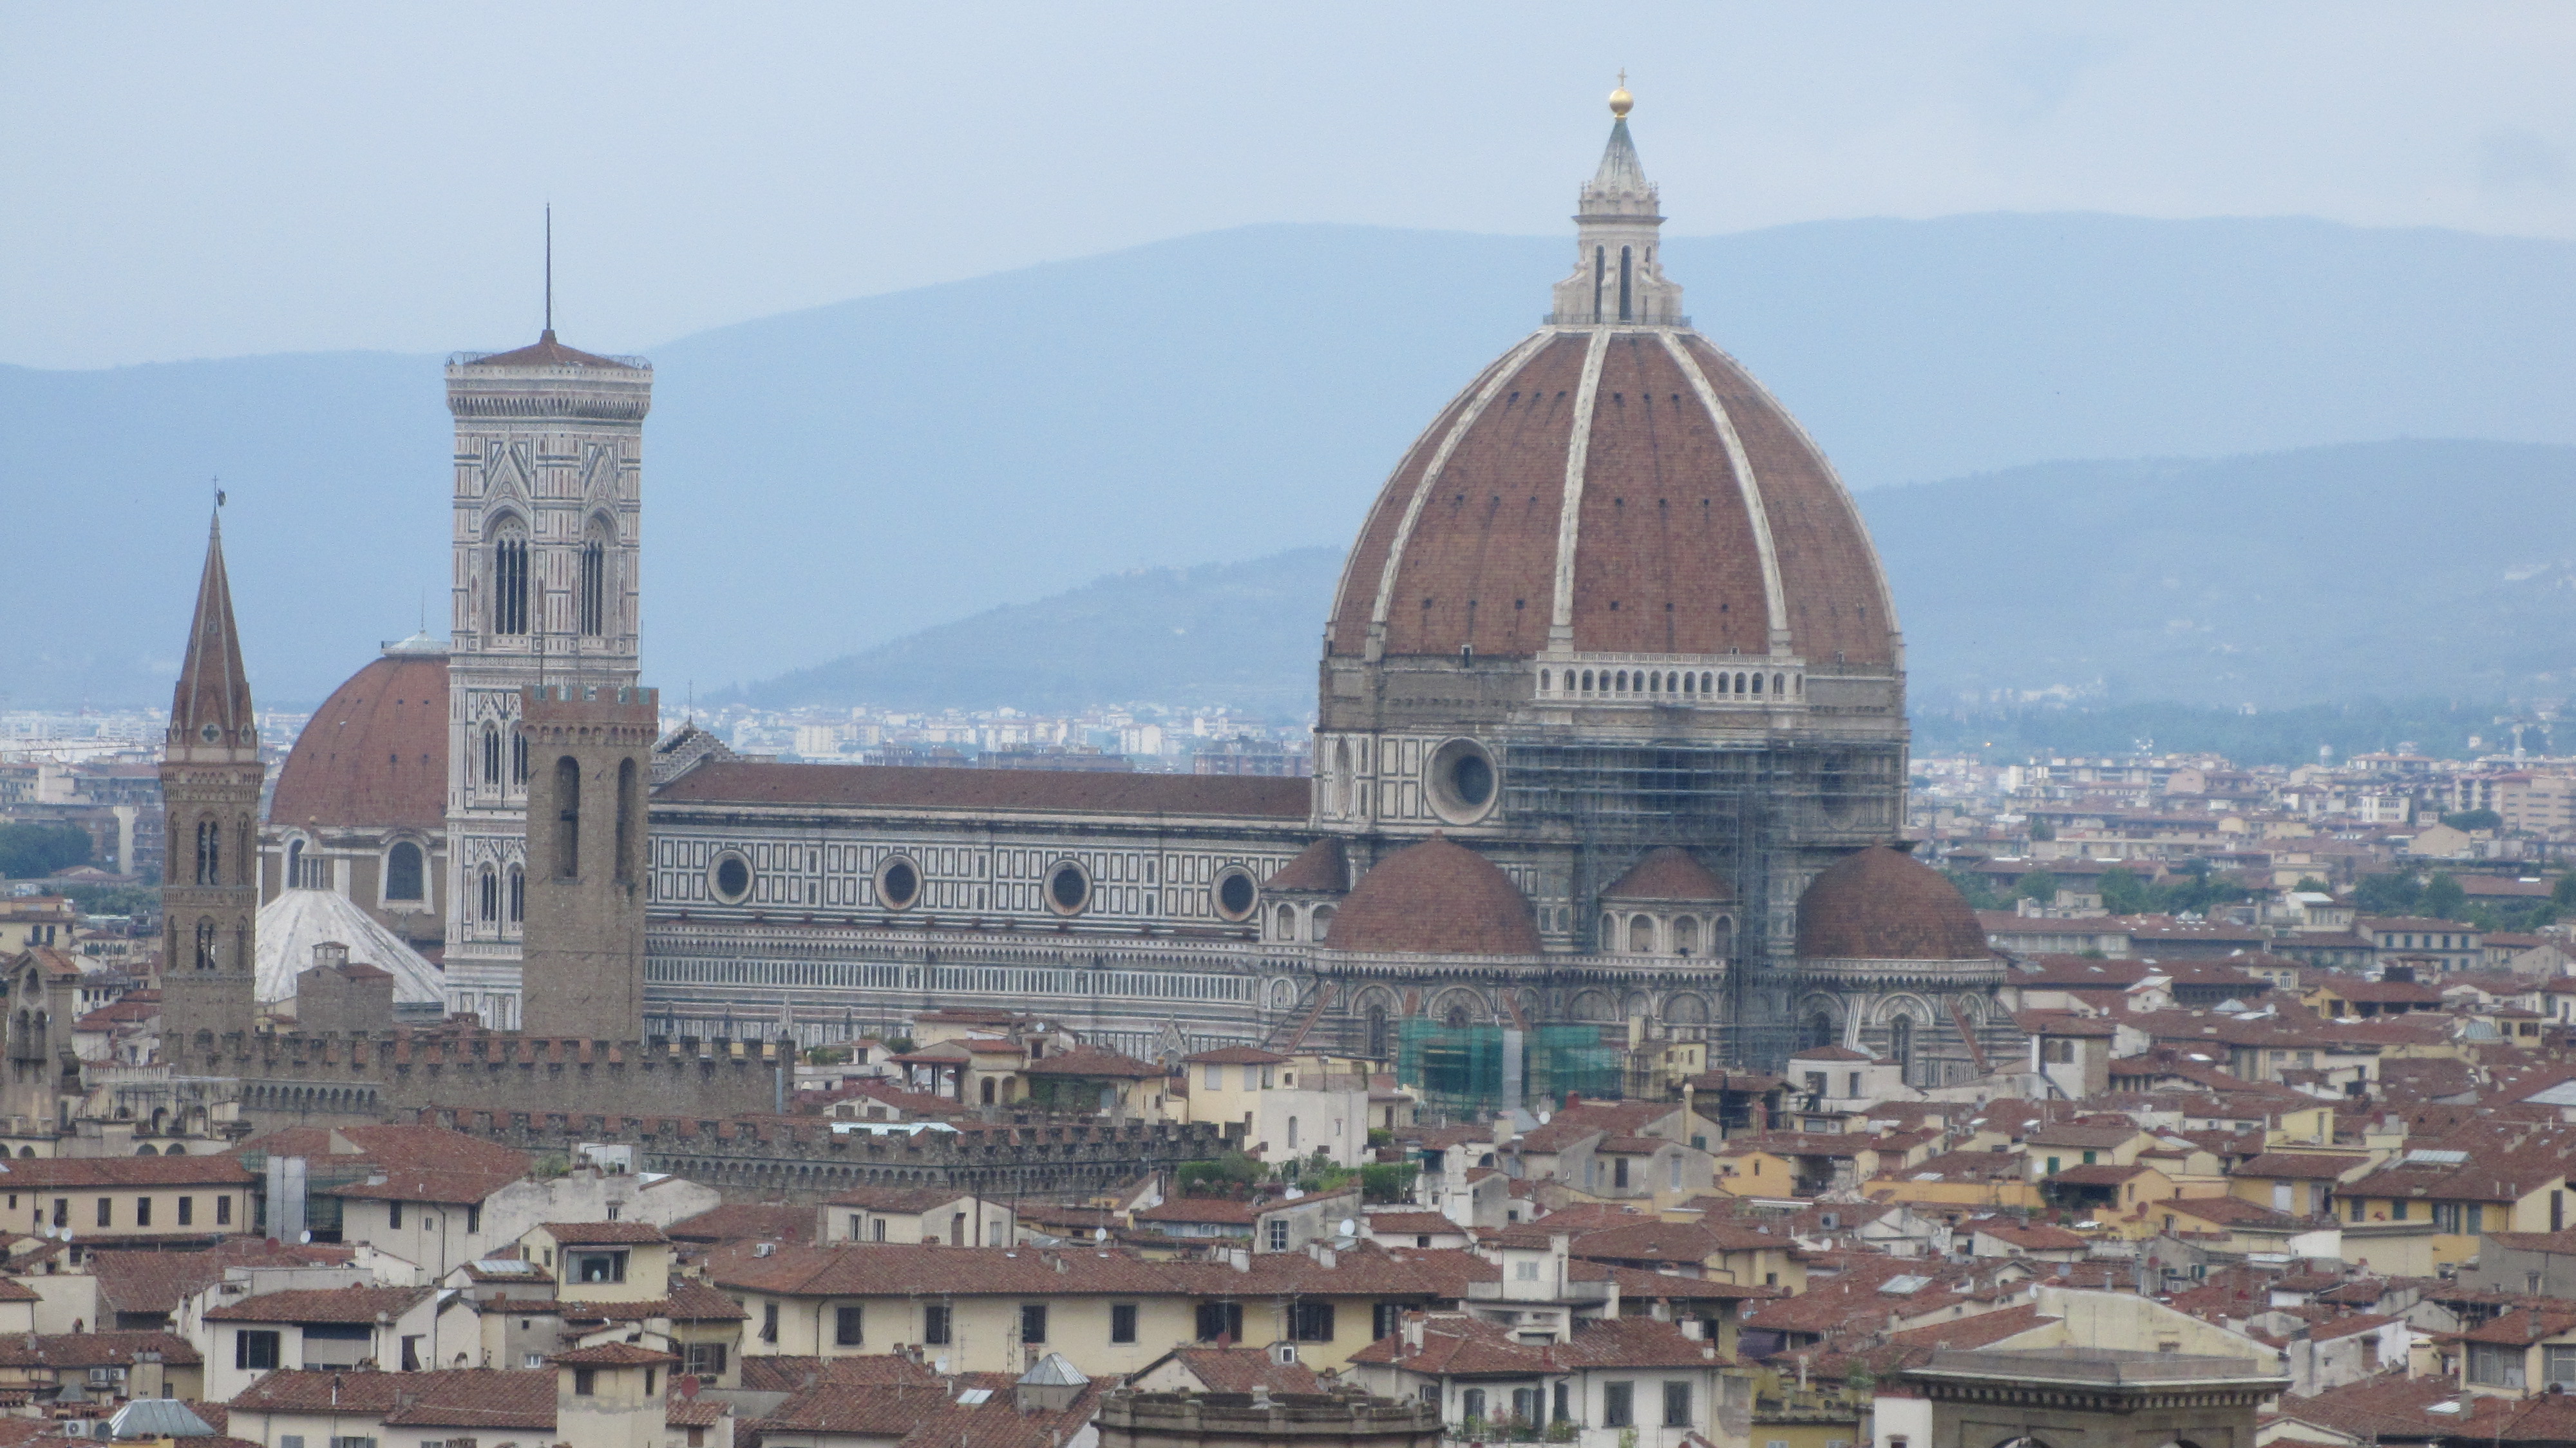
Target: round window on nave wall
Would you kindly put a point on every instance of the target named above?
(1461, 781)
(1068, 889)
(898, 883)
(730, 877)
(1236, 894)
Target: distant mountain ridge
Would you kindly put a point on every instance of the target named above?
(1220, 633)
(2225, 582)
(827, 481)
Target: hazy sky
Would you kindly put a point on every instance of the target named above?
(208, 180)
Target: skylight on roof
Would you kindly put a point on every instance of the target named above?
(975, 1397)
(2436, 1158)
(1904, 1286)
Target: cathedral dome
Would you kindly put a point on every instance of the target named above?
(1669, 873)
(1884, 904)
(1436, 898)
(374, 756)
(1615, 485)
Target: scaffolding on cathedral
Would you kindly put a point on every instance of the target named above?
(1735, 802)
(1469, 1072)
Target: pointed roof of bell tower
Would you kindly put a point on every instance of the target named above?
(214, 690)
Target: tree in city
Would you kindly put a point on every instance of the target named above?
(2474, 819)
(1979, 894)
(28, 851)
(2397, 892)
(2038, 885)
(2123, 893)
(2443, 899)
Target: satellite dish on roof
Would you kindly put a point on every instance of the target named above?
(1542, 1118)
(1100, 1234)
(1349, 1228)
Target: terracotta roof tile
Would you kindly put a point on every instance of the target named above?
(336, 1304)
(1320, 866)
(1241, 1369)
(1669, 873)
(92, 1349)
(1882, 904)
(449, 1397)
(744, 1222)
(75, 1172)
(603, 1233)
(1436, 898)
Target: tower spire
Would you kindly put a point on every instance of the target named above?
(550, 268)
(210, 711)
(1618, 274)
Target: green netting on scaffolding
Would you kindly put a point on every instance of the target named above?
(1462, 1073)
(1457, 1069)
(1566, 1059)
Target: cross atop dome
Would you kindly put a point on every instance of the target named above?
(1617, 222)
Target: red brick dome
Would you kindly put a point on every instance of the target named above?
(374, 756)
(1436, 898)
(1702, 517)
(1883, 904)
(1615, 485)
(1669, 873)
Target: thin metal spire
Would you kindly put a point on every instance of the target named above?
(550, 268)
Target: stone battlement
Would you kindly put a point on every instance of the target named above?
(364, 1077)
(806, 1158)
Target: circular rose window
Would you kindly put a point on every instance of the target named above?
(730, 877)
(898, 883)
(1462, 781)
(1236, 894)
(1068, 889)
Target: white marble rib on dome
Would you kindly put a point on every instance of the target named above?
(297, 920)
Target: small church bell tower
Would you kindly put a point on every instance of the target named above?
(210, 785)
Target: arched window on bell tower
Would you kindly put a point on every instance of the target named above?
(622, 867)
(205, 944)
(210, 850)
(510, 577)
(567, 817)
(593, 594)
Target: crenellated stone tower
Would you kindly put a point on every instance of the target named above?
(590, 753)
(548, 508)
(210, 786)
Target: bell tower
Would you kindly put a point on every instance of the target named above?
(210, 785)
(590, 753)
(546, 545)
